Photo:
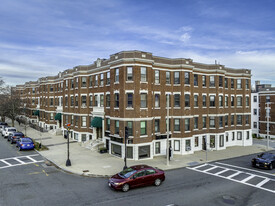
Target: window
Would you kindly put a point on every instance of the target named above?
(157, 77)
(221, 140)
(116, 126)
(226, 120)
(196, 141)
(195, 80)
(187, 145)
(247, 119)
(204, 122)
(168, 100)
(226, 101)
(51, 101)
(83, 101)
(76, 101)
(143, 77)
(204, 100)
(130, 128)
(212, 81)
(239, 119)
(143, 130)
(176, 124)
(72, 101)
(255, 125)
(143, 100)
(66, 84)
(66, 101)
(157, 125)
(129, 73)
(116, 100)
(212, 101)
(212, 122)
(232, 101)
(91, 81)
(157, 100)
(239, 135)
(255, 111)
(177, 100)
(186, 77)
(220, 81)
(220, 121)
(108, 124)
(96, 100)
(203, 80)
(196, 101)
(220, 101)
(267, 99)
(232, 120)
(176, 77)
(102, 100)
(91, 101)
(83, 81)
(212, 141)
(239, 83)
(130, 100)
(108, 100)
(187, 100)
(247, 135)
(96, 80)
(226, 83)
(76, 82)
(176, 145)
(157, 147)
(246, 84)
(101, 79)
(72, 83)
(168, 80)
(255, 99)
(232, 83)
(239, 101)
(233, 136)
(187, 124)
(168, 125)
(196, 119)
(247, 101)
(72, 120)
(84, 122)
(226, 136)
(51, 117)
(108, 78)
(117, 75)
(76, 121)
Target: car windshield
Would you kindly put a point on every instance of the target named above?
(26, 140)
(266, 156)
(127, 172)
(12, 130)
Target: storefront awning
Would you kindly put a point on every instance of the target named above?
(97, 122)
(36, 113)
(58, 116)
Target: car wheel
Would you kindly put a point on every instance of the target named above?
(157, 182)
(271, 166)
(125, 188)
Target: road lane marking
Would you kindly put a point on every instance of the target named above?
(34, 173)
(6, 162)
(236, 172)
(220, 163)
(45, 173)
(31, 159)
(214, 167)
(19, 160)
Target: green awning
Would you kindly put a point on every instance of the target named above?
(36, 113)
(58, 116)
(97, 122)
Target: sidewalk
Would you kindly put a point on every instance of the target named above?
(91, 163)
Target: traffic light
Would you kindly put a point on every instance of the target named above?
(126, 133)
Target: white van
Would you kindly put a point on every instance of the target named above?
(8, 130)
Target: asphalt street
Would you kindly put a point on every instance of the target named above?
(36, 183)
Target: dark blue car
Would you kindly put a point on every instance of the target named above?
(25, 143)
(265, 160)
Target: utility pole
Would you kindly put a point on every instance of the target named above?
(167, 128)
(267, 116)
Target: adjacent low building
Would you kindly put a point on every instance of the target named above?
(209, 104)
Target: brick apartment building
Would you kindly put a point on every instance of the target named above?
(209, 105)
(263, 99)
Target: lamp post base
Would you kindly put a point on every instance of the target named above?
(68, 162)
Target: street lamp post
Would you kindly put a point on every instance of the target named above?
(68, 162)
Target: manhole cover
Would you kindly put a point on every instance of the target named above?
(228, 199)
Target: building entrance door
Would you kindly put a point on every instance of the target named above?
(204, 142)
(99, 133)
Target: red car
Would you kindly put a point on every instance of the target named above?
(136, 176)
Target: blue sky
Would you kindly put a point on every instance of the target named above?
(42, 37)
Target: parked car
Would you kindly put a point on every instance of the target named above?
(2, 127)
(25, 143)
(265, 160)
(14, 137)
(136, 176)
(8, 130)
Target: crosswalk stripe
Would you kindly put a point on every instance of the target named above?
(31, 159)
(6, 162)
(233, 175)
(200, 166)
(248, 178)
(225, 170)
(19, 160)
(262, 182)
(214, 167)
